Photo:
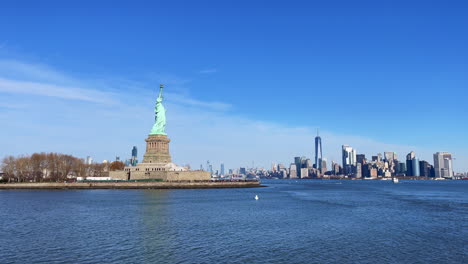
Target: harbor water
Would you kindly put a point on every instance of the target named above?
(292, 221)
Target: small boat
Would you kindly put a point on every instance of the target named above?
(256, 197)
(395, 180)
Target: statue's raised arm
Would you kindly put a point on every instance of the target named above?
(160, 97)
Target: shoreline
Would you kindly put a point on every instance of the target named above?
(128, 185)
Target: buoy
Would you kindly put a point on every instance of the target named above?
(256, 197)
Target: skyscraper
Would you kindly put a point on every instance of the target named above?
(298, 163)
(361, 158)
(409, 163)
(318, 152)
(222, 168)
(443, 164)
(349, 159)
(134, 159)
(292, 171)
(390, 156)
(415, 167)
(134, 151)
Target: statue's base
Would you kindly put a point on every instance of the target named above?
(157, 149)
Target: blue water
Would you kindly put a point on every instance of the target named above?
(304, 221)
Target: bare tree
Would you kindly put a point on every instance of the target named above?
(49, 167)
(9, 167)
(116, 165)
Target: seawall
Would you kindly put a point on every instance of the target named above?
(130, 185)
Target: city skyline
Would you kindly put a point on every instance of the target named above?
(228, 86)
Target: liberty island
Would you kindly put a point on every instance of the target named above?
(157, 163)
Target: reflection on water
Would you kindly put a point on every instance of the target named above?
(292, 222)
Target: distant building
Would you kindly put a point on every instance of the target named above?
(336, 168)
(366, 170)
(349, 159)
(358, 173)
(390, 156)
(134, 159)
(409, 163)
(222, 168)
(134, 152)
(361, 158)
(324, 165)
(426, 169)
(293, 171)
(401, 168)
(242, 171)
(304, 173)
(415, 167)
(298, 162)
(443, 164)
(89, 160)
(318, 152)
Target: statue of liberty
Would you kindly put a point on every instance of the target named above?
(159, 126)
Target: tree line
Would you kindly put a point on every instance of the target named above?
(40, 167)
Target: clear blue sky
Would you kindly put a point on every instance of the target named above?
(394, 72)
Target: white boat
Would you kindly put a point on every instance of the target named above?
(395, 180)
(256, 197)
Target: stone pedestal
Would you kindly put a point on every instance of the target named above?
(157, 149)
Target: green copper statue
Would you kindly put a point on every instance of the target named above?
(159, 126)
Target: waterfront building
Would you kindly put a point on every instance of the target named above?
(292, 171)
(365, 170)
(298, 162)
(409, 163)
(304, 173)
(222, 168)
(324, 166)
(358, 173)
(415, 167)
(349, 159)
(426, 169)
(335, 168)
(401, 168)
(443, 164)
(318, 152)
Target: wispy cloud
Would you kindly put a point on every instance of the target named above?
(206, 71)
(187, 101)
(51, 90)
(17, 70)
